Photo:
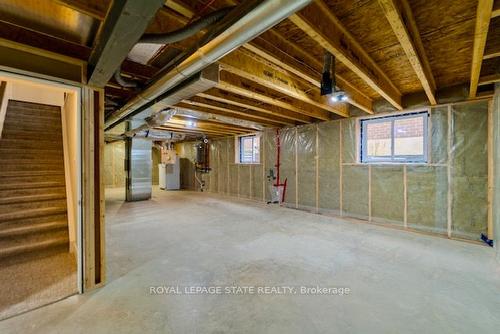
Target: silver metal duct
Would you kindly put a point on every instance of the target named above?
(187, 31)
(139, 164)
(162, 111)
(261, 18)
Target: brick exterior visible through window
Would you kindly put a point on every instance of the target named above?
(399, 138)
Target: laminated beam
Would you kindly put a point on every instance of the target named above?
(223, 111)
(235, 85)
(279, 51)
(219, 96)
(169, 126)
(320, 24)
(124, 25)
(203, 124)
(244, 65)
(483, 17)
(400, 17)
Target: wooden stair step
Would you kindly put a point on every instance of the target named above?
(31, 213)
(32, 243)
(20, 154)
(35, 220)
(22, 229)
(30, 198)
(24, 104)
(36, 204)
(30, 173)
(6, 167)
(32, 160)
(32, 185)
(31, 134)
(52, 110)
(28, 124)
(16, 192)
(29, 143)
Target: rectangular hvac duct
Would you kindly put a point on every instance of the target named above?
(139, 168)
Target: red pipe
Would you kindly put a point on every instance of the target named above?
(278, 149)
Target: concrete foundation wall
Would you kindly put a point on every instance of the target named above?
(448, 195)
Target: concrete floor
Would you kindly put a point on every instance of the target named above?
(400, 282)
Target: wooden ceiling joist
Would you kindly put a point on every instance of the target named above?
(244, 65)
(489, 79)
(95, 9)
(203, 124)
(320, 24)
(223, 111)
(278, 50)
(201, 100)
(400, 17)
(219, 96)
(496, 9)
(233, 84)
(180, 127)
(192, 132)
(483, 17)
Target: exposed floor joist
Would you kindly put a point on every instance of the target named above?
(400, 17)
(232, 112)
(124, 25)
(236, 85)
(489, 79)
(277, 49)
(95, 9)
(220, 96)
(213, 103)
(483, 17)
(317, 21)
(243, 64)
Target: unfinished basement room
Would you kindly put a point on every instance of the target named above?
(249, 166)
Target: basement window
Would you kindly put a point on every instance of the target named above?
(395, 139)
(249, 149)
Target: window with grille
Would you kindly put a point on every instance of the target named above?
(249, 150)
(397, 139)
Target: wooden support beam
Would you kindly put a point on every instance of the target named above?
(483, 16)
(180, 8)
(264, 116)
(204, 124)
(169, 126)
(236, 85)
(319, 23)
(215, 122)
(247, 66)
(124, 25)
(220, 96)
(489, 79)
(231, 112)
(496, 9)
(96, 9)
(278, 50)
(400, 17)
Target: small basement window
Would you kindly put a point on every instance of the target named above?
(396, 139)
(249, 149)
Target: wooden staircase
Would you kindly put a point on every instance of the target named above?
(33, 214)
